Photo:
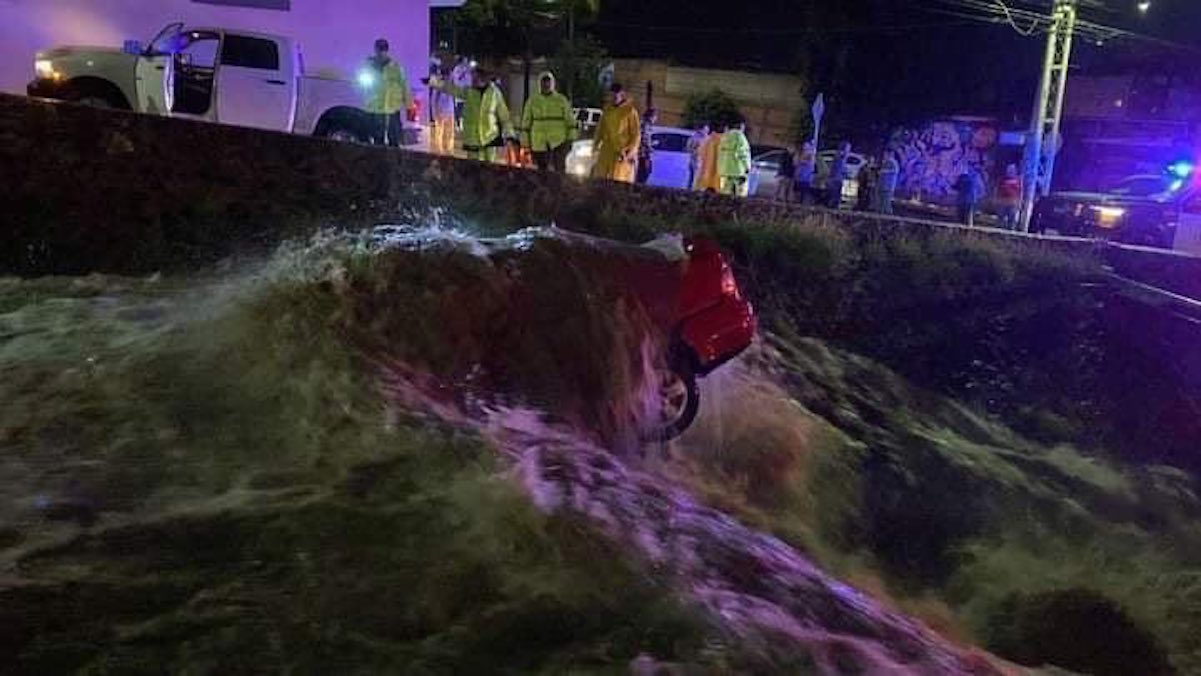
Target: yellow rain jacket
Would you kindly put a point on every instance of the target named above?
(707, 177)
(485, 115)
(390, 91)
(619, 131)
(735, 155)
(547, 121)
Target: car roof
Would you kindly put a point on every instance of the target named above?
(672, 130)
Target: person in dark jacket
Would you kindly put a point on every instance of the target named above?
(646, 150)
(837, 176)
(805, 174)
(785, 191)
(970, 189)
(890, 172)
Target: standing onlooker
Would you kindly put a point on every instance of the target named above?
(548, 126)
(865, 198)
(784, 188)
(837, 176)
(806, 173)
(890, 173)
(1009, 198)
(708, 179)
(461, 76)
(646, 149)
(387, 94)
(694, 153)
(442, 108)
(970, 188)
(486, 121)
(618, 136)
(734, 161)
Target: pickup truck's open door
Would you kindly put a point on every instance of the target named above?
(257, 82)
(154, 74)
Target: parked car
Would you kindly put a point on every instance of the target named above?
(766, 164)
(587, 119)
(210, 74)
(1142, 209)
(671, 159)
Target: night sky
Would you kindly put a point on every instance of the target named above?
(888, 61)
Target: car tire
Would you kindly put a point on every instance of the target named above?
(679, 402)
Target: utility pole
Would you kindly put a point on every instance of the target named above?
(1044, 141)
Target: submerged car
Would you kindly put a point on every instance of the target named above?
(1143, 210)
(712, 324)
(688, 288)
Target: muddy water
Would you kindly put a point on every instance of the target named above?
(145, 418)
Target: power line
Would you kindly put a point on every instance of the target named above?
(1009, 17)
(850, 30)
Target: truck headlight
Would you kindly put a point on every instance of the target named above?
(44, 68)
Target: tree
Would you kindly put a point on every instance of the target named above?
(713, 107)
(515, 27)
(525, 28)
(578, 66)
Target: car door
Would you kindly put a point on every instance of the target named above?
(670, 160)
(764, 178)
(153, 73)
(256, 83)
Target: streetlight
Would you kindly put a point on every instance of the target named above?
(1144, 6)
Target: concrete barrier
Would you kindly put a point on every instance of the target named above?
(89, 190)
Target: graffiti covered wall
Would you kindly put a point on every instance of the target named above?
(933, 156)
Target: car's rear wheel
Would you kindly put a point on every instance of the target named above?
(677, 402)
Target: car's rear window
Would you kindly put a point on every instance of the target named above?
(670, 143)
(245, 52)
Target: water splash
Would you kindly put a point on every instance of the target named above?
(761, 591)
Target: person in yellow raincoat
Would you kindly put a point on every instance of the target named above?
(486, 120)
(548, 126)
(387, 93)
(707, 178)
(734, 161)
(618, 135)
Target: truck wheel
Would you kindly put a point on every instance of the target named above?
(342, 125)
(94, 93)
(344, 134)
(93, 101)
(677, 403)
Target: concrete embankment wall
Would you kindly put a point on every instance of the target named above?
(86, 190)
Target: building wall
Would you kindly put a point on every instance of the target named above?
(334, 36)
(769, 102)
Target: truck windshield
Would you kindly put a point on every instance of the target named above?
(165, 42)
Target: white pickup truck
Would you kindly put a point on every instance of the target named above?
(212, 74)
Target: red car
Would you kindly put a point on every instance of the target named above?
(707, 321)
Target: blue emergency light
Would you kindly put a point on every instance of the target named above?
(1181, 169)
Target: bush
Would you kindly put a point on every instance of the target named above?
(1077, 629)
(714, 107)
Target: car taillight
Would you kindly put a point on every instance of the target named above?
(729, 287)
